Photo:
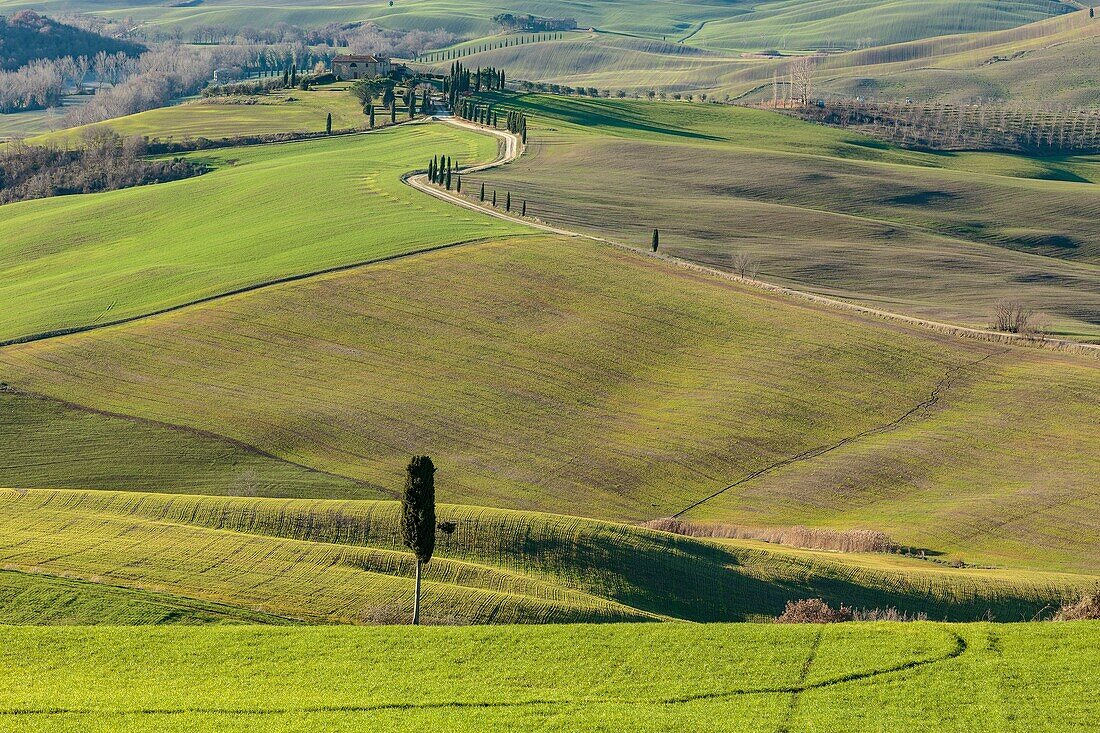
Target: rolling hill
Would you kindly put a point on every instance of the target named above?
(268, 212)
(559, 375)
(791, 24)
(325, 561)
(939, 235)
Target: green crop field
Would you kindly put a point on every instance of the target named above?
(941, 235)
(922, 678)
(267, 212)
(562, 375)
(223, 117)
(1039, 64)
(342, 562)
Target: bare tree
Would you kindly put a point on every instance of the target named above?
(745, 266)
(802, 79)
(1013, 316)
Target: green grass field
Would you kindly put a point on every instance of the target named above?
(918, 677)
(223, 117)
(267, 212)
(48, 600)
(582, 379)
(935, 235)
(324, 561)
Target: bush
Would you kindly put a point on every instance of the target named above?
(814, 611)
(1086, 609)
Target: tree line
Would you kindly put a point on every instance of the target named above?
(452, 54)
(104, 161)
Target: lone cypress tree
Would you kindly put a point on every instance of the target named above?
(418, 517)
(483, 193)
(656, 239)
(508, 202)
(328, 124)
(523, 211)
(494, 197)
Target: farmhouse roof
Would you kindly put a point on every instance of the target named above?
(361, 58)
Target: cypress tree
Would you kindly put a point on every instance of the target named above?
(371, 113)
(448, 179)
(656, 239)
(523, 211)
(418, 517)
(508, 202)
(483, 193)
(328, 124)
(286, 77)
(458, 183)
(393, 113)
(494, 197)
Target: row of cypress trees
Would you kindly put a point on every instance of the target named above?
(462, 81)
(507, 200)
(471, 109)
(442, 170)
(455, 53)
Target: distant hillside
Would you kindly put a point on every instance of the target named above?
(26, 36)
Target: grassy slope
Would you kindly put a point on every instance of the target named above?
(920, 678)
(937, 235)
(91, 450)
(326, 561)
(559, 375)
(216, 118)
(739, 24)
(267, 212)
(1045, 62)
(45, 600)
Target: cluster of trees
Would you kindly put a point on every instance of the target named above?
(533, 23)
(441, 170)
(27, 36)
(104, 161)
(460, 81)
(364, 37)
(471, 109)
(454, 53)
(42, 83)
(969, 127)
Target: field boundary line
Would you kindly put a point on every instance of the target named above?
(514, 150)
(933, 398)
(71, 330)
(187, 429)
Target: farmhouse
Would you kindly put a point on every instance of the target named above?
(351, 66)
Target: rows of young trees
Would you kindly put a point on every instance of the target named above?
(966, 127)
(104, 161)
(455, 53)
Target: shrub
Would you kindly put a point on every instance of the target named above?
(814, 611)
(1086, 609)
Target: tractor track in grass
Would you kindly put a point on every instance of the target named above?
(959, 648)
(930, 401)
(513, 150)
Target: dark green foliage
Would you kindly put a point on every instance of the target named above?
(656, 239)
(523, 211)
(418, 508)
(508, 202)
(494, 197)
(483, 192)
(27, 36)
(458, 184)
(328, 124)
